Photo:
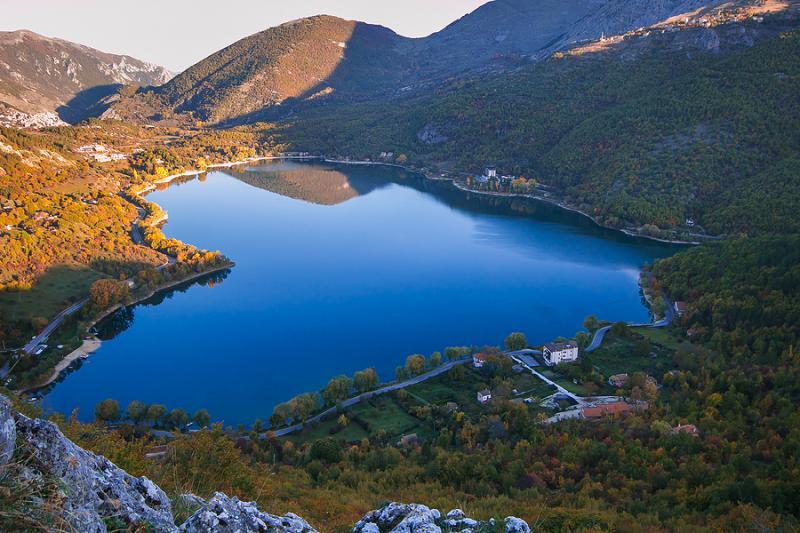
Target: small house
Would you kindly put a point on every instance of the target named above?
(156, 452)
(409, 441)
(556, 353)
(618, 380)
(451, 407)
(478, 360)
(689, 429)
(680, 308)
(484, 396)
(491, 172)
(607, 409)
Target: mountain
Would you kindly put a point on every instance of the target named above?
(300, 60)
(325, 60)
(642, 132)
(42, 75)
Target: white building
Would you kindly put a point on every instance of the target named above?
(556, 353)
(484, 396)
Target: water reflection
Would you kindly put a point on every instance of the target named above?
(317, 184)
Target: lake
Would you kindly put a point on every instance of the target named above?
(339, 268)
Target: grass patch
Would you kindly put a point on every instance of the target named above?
(618, 355)
(380, 413)
(55, 290)
(665, 337)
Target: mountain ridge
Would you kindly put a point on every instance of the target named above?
(325, 60)
(40, 74)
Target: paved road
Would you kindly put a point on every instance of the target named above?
(57, 320)
(367, 395)
(559, 388)
(669, 314)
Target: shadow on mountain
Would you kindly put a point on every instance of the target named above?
(371, 66)
(88, 103)
(317, 184)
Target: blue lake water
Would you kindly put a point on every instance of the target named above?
(341, 268)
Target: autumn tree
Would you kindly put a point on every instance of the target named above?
(516, 341)
(365, 380)
(337, 390)
(107, 410)
(415, 364)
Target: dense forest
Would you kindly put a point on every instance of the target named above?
(646, 133)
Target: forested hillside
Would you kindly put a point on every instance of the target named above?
(743, 295)
(653, 130)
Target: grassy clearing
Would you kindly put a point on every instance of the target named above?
(54, 291)
(366, 419)
(666, 337)
(618, 355)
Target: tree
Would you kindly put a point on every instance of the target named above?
(583, 339)
(107, 410)
(401, 373)
(201, 418)
(516, 341)
(156, 413)
(456, 352)
(105, 293)
(280, 414)
(327, 450)
(136, 411)
(436, 359)
(337, 390)
(365, 380)
(303, 405)
(178, 418)
(590, 323)
(415, 364)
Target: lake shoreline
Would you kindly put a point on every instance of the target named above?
(561, 205)
(93, 343)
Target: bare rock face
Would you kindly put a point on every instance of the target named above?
(95, 489)
(416, 518)
(8, 432)
(229, 515)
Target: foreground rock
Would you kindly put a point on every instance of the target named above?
(95, 489)
(93, 495)
(416, 518)
(229, 515)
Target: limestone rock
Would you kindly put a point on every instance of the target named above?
(229, 515)
(95, 489)
(8, 432)
(400, 518)
(516, 525)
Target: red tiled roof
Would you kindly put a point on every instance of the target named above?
(607, 409)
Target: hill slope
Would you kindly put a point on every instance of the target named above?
(299, 60)
(327, 60)
(701, 123)
(44, 75)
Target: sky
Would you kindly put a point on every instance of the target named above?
(178, 33)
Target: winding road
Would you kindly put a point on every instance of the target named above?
(51, 327)
(367, 395)
(669, 314)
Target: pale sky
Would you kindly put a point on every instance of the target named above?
(178, 33)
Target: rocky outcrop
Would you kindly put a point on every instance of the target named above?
(8, 432)
(229, 515)
(94, 490)
(416, 518)
(93, 495)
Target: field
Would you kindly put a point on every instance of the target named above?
(619, 355)
(53, 292)
(382, 413)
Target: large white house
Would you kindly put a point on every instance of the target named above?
(556, 353)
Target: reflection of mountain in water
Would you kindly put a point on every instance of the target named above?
(316, 184)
